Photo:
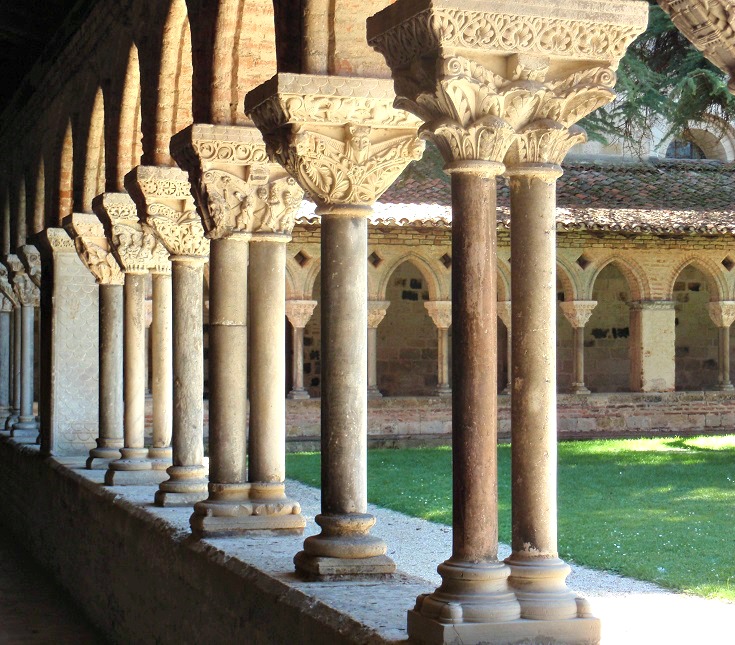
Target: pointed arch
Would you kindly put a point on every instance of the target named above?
(311, 276)
(713, 274)
(564, 274)
(130, 136)
(39, 203)
(632, 272)
(65, 175)
(428, 273)
(21, 231)
(503, 281)
(93, 181)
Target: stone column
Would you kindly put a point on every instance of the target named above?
(504, 307)
(299, 313)
(25, 282)
(13, 263)
(95, 252)
(136, 249)
(247, 205)
(652, 346)
(485, 103)
(722, 314)
(441, 313)
(376, 312)
(344, 157)
(7, 302)
(578, 313)
(164, 201)
(160, 451)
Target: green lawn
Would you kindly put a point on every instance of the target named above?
(655, 509)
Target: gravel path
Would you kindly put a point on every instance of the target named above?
(632, 612)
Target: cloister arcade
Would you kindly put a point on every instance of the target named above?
(220, 160)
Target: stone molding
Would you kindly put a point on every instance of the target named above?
(376, 312)
(440, 312)
(504, 313)
(135, 245)
(710, 27)
(299, 312)
(652, 305)
(341, 139)
(508, 85)
(237, 190)
(578, 312)
(31, 259)
(164, 195)
(722, 312)
(94, 248)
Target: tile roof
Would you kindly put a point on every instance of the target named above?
(655, 196)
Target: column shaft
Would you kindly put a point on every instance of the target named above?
(443, 361)
(724, 362)
(26, 428)
(5, 349)
(161, 377)
(298, 365)
(578, 386)
(134, 363)
(15, 367)
(372, 363)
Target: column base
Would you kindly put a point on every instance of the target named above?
(724, 387)
(185, 486)
(430, 631)
(25, 430)
(148, 477)
(444, 391)
(313, 567)
(11, 421)
(161, 458)
(102, 457)
(298, 394)
(540, 587)
(579, 388)
(374, 393)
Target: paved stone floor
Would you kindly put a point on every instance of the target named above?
(33, 609)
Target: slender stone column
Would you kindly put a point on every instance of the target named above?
(162, 369)
(345, 158)
(136, 250)
(164, 201)
(722, 314)
(486, 104)
(441, 313)
(95, 252)
(652, 346)
(15, 359)
(7, 301)
(28, 295)
(242, 197)
(578, 313)
(298, 313)
(504, 309)
(376, 312)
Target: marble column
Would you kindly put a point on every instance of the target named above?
(136, 249)
(95, 252)
(722, 314)
(578, 313)
(652, 346)
(247, 205)
(441, 313)
(486, 104)
(298, 313)
(344, 157)
(504, 313)
(160, 451)
(376, 312)
(164, 201)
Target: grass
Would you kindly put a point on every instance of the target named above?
(659, 509)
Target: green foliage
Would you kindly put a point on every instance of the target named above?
(661, 78)
(654, 509)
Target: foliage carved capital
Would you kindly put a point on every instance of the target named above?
(26, 290)
(722, 312)
(6, 289)
(31, 259)
(440, 312)
(578, 312)
(94, 248)
(376, 312)
(299, 312)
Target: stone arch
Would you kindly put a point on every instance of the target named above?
(93, 180)
(174, 109)
(632, 272)
(39, 202)
(130, 135)
(424, 267)
(503, 281)
(291, 291)
(311, 277)
(21, 211)
(716, 284)
(564, 275)
(714, 136)
(65, 166)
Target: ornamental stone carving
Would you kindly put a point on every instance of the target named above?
(341, 139)
(135, 246)
(722, 313)
(505, 85)
(710, 26)
(299, 312)
(440, 312)
(376, 312)
(238, 191)
(6, 304)
(6, 289)
(164, 195)
(578, 312)
(26, 290)
(94, 248)
(31, 259)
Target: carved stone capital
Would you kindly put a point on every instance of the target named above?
(136, 247)
(57, 240)
(376, 312)
(299, 312)
(722, 313)
(26, 290)
(341, 139)
(31, 259)
(440, 312)
(6, 304)
(94, 248)
(578, 312)
(511, 78)
(504, 313)
(238, 191)
(710, 27)
(164, 195)
(6, 288)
